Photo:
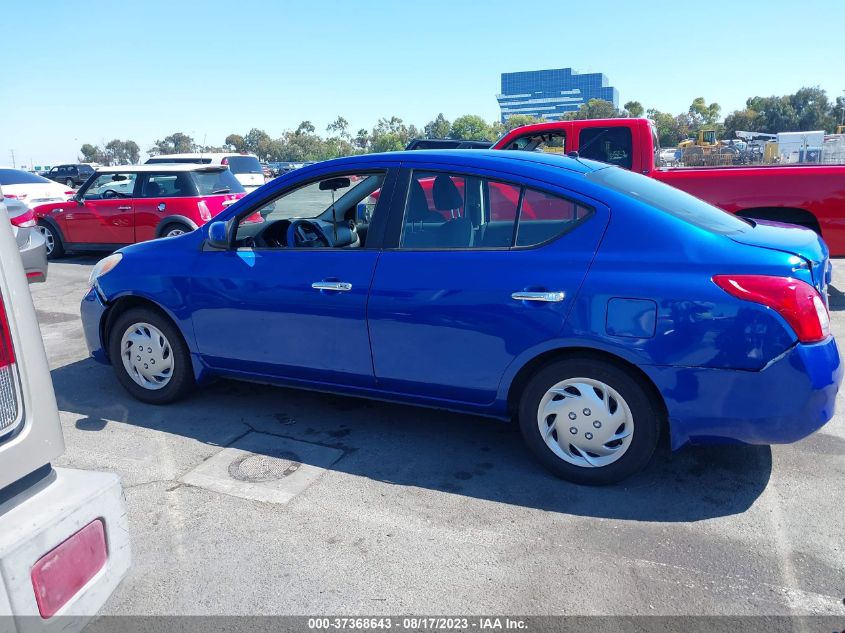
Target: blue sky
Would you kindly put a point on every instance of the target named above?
(92, 71)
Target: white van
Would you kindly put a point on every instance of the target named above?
(246, 167)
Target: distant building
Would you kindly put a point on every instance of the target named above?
(551, 93)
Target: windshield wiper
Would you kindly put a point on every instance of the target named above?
(225, 190)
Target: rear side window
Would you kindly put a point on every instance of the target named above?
(216, 182)
(669, 200)
(18, 177)
(451, 211)
(611, 145)
(544, 216)
(168, 185)
(243, 164)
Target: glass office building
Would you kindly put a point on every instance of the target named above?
(551, 93)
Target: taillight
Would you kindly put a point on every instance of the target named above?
(59, 575)
(796, 301)
(205, 214)
(24, 220)
(9, 406)
(225, 161)
(70, 193)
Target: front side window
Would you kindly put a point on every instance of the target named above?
(611, 145)
(450, 211)
(108, 186)
(331, 212)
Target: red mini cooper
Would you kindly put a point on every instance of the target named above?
(132, 203)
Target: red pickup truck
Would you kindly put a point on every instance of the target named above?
(809, 195)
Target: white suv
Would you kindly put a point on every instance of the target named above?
(64, 543)
(245, 167)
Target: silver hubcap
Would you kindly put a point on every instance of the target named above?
(174, 231)
(585, 422)
(147, 356)
(48, 238)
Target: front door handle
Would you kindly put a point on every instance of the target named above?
(547, 297)
(124, 208)
(337, 286)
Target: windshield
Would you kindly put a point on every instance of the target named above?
(216, 182)
(244, 165)
(18, 177)
(669, 200)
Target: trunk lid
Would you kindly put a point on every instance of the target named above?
(795, 240)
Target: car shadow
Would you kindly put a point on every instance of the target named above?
(409, 446)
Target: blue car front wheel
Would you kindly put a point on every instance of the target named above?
(589, 420)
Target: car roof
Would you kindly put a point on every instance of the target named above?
(201, 155)
(160, 167)
(501, 160)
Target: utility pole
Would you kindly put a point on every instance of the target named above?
(13, 160)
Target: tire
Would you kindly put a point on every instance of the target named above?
(69, 183)
(579, 382)
(51, 236)
(141, 327)
(175, 228)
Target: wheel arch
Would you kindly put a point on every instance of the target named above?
(46, 219)
(174, 219)
(790, 215)
(530, 368)
(125, 303)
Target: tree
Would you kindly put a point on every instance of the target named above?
(389, 135)
(438, 128)
(702, 115)
(258, 142)
(634, 108)
(92, 154)
(470, 127)
(236, 142)
(362, 140)
(119, 152)
(176, 143)
(339, 127)
(669, 131)
(595, 109)
(518, 120)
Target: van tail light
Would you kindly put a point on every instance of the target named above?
(9, 402)
(796, 301)
(70, 193)
(224, 161)
(59, 575)
(24, 220)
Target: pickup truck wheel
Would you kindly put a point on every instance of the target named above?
(589, 421)
(150, 357)
(55, 248)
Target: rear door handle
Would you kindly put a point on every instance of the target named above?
(124, 208)
(545, 297)
(337, 286)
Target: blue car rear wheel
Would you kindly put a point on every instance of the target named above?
(589, 421)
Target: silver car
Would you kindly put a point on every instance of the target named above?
(30, 240)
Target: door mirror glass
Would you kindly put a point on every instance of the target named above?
(218, 235)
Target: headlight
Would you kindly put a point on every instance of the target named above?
(103, 266)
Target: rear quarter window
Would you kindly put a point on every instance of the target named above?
(669, 200)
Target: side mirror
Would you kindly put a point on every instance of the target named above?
(218, 235)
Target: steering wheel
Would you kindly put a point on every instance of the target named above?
(109, 194)
(296, 234)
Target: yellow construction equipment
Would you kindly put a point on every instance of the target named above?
(705, 150)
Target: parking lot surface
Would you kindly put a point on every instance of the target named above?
(249, 499)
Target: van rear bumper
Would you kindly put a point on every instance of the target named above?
(40, 518)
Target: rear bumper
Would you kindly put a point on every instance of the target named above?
(33, 250)
(792, 397)
(36, 521)
(92, 310)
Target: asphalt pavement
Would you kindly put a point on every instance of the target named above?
(249, 499)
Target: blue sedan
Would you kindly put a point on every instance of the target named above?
(598, 308)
